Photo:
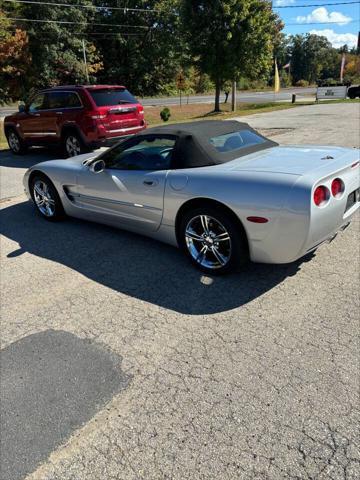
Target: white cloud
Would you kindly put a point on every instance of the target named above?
(283, 3)
(337, 39)
(321, 15)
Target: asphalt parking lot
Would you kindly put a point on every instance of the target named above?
(120, 361)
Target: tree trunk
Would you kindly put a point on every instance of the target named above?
(217, 95)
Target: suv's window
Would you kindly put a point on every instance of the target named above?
(73, 100)
(151, 152)
(37, 103)
(111, 96)
(63, 100)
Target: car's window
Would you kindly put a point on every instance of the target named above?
(111, 96)
(73, 100)
(63, 100)
(236, 141)
(38, 103)
(151, 152)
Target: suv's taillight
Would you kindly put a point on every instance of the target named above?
(140, 109)
(95, 115)
(321, 195)
(337, 187)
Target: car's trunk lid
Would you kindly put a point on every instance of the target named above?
(298, 160)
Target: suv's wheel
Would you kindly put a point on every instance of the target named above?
(46, 198)
(212, 240)
(16, 144)
(73, 145)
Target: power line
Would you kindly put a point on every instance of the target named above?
(306, 6)
(66, 35)
(75, 23)
(92, 7)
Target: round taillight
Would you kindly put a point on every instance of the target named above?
(321, 195)
(337, 187)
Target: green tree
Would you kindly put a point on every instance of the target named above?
(56, 48)
(312, 58)
(229, 38)
(146, 54)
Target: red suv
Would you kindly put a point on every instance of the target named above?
(79, 118)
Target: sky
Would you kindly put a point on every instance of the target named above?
(345, 19)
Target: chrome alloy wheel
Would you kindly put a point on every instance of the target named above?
(43, 198)
(208, 242)
(14, 142)
(72, 146)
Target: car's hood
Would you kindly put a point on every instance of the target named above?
(295, 160)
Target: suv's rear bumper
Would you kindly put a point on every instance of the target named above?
(108, 141)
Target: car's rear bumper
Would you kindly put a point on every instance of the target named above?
(283, 246)
(331, 234)
(115, 137)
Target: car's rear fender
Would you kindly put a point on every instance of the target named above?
(247, 194)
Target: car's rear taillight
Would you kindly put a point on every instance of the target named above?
(321, 195)
(95, 115)
(140, 109)
(337, 187)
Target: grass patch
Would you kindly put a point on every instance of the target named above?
(3, 142)
(202, 111)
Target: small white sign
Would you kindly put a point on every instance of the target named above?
(326, 93)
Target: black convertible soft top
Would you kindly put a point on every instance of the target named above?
(195, 145)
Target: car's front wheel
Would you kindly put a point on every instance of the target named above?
(16, 144)
(46, 198)
(212, 240)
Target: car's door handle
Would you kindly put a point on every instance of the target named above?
(35, 114)
(150, 183)
(59, 113)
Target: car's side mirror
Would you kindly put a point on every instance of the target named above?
(22, 108)
(98, 166)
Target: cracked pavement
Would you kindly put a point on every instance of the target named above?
(249, 376)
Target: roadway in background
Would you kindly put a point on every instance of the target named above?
(242, 96)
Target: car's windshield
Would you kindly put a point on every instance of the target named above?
(111, 96)
(236, 141)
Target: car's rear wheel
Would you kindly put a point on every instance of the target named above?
(73, 145)
(46, 198)
(16, 144)
(212, 240)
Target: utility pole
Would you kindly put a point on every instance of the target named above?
(290, 72)
(85, 62)
(233, 97)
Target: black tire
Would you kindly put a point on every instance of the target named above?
(15, 142)
(220, 223)
(57, 210)
(352, 97)
(72, 144)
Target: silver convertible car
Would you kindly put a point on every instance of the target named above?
(219, 190)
